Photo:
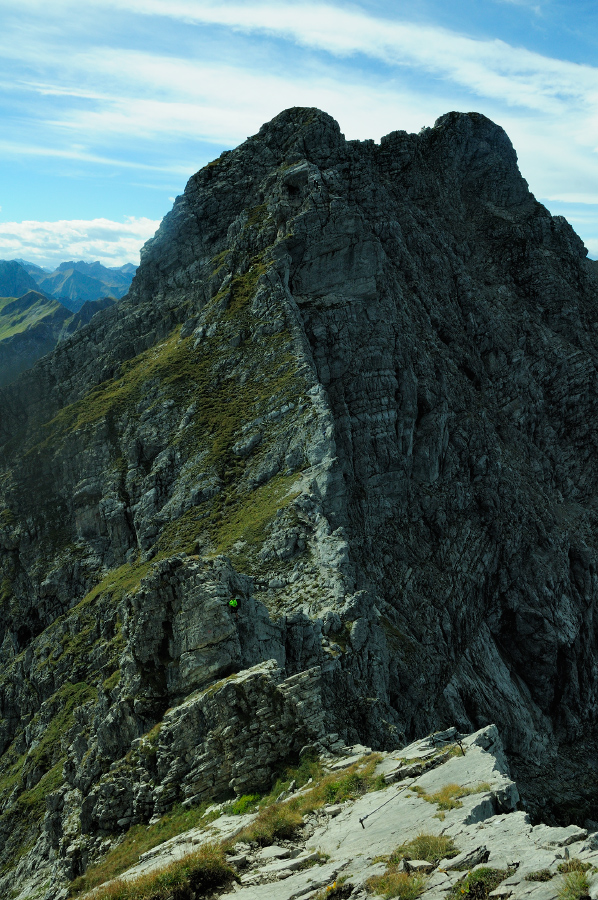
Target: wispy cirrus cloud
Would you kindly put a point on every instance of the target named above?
(225, 104)
(491, 68)
(11, 148)
(48, 243)
(140, 83)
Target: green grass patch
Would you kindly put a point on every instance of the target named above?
(47, 756)
(22, 817)
(478, 884)
(5, 590)
(540, 875)
(393, 883)
(397, 884)
(219, 260)
(120, 581)
(68, 698)
(246, 803)
(229, 519)
(430, 847)
(139, 839)
(33, 801)
(575, 885)
(350, 784)
(257, 215)
(17, 317)
(277, 822)
(6, 517)
(69, 640)
(113, 396)
(198, 874)
(248, 521)
(308, 768)
(112, 681)
(243, 288)
(449, 796)
(573, 865)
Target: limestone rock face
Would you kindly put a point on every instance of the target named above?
(485, 825)
(354, 388)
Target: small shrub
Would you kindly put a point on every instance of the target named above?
(540, 875)
(354, 782)
(205, 870)
(272, 823)
(573, 865)
(430, 847)
(309, 767)
(350, 786)
(575, 885)
(378, 784)
(244, 804)
(397, 884)
(478, 884)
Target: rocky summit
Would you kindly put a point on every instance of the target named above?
(326, 476)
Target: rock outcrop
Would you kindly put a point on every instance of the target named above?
(461, 793)
(353, 388)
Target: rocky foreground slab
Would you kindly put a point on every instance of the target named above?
(444, 785)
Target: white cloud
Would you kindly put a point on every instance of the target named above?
(124, 94)
(99, 101)
(528, 4)
(225, 104)
(48, 243)
(19, 150)
(490, 68)
(127, 92)
(585, 198)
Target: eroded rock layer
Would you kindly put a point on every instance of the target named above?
(353, 388)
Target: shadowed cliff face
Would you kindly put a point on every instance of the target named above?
(354, 386)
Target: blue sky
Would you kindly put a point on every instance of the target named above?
(108, 106)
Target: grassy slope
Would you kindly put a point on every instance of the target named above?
(16, 321)
(207, 378)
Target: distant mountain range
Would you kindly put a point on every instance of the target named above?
(40, 308)
(72, 283)
(32, 325)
